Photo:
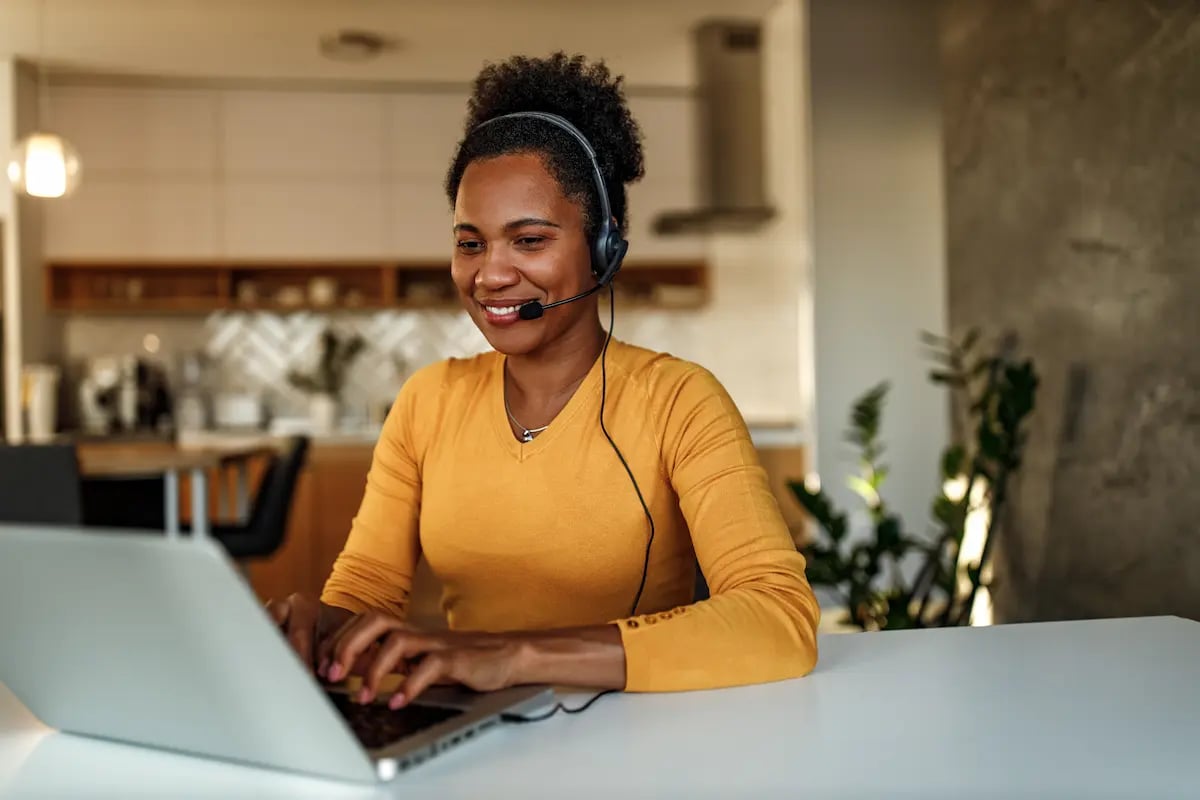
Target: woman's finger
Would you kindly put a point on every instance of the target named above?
(300, 637)
(434, 667)
(291, 617)
(326, 645)
(396, 649)
(302, 626)
(278, 610)
(354, 641)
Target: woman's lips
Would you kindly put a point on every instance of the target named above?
(502, 313)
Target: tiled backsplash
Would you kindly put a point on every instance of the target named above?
(255, 351)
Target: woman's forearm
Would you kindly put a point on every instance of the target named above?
(592, 657)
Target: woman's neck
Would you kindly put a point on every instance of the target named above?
(539, 379)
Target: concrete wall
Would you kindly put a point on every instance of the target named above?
(1074, 220)
(878, 235)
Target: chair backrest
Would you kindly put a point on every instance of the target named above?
(39, 484)
(267, 526)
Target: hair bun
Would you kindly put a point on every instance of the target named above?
(587, 95)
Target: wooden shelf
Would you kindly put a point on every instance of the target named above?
(116, 286)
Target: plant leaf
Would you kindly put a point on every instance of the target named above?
(952, 461)
(861, 487)
(944, 377)
(969, 340)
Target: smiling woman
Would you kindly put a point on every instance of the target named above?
(564, 487)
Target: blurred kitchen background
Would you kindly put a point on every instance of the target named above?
(258, 243)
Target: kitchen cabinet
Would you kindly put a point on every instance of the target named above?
(179, 171)
(198, 286)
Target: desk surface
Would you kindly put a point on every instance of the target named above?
(1099, 709)
(103, 460)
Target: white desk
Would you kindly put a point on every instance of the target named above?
(1083, 709)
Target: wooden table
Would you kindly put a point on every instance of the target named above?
(151, 459)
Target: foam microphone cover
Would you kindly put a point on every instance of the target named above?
(531, 310)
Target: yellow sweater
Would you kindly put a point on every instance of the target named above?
(551, 534)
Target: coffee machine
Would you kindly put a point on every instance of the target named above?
(124, 394)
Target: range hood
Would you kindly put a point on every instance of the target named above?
(730, 133)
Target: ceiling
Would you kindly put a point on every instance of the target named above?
(439, 40)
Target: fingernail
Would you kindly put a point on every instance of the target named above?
(335, 672)
(364, 695)
(397, 701)
(323, 667)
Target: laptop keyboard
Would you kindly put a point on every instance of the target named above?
(377, 726)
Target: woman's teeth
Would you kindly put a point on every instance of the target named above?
(500, 311)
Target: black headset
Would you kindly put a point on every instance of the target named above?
(608, 251)
(609, 248)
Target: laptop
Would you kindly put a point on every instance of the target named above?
(134, 638)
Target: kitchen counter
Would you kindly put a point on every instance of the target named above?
(220, 438)
(769, 435)
(781, 449)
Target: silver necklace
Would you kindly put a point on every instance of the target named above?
(527, 434)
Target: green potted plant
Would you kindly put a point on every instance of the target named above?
(325, 382)
(992, 395)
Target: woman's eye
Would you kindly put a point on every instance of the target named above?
(470, 246)
(530, 241)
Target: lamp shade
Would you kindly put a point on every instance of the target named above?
(44, 165)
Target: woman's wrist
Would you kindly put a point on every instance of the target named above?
(593, 657)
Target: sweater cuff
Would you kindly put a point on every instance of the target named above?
(651, 651)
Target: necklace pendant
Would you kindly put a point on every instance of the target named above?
(527, 436)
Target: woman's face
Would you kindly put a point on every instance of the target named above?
(518, 238)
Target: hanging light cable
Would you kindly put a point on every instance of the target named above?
(44, 164)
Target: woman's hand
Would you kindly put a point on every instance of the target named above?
(305, 622)
(376, 644)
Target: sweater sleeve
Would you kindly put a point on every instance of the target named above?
(761, 620)
(376, 565)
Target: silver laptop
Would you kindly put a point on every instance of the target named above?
(133, 638)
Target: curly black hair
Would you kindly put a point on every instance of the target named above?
(586, 95)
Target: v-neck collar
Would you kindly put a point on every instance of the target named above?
(581, 399)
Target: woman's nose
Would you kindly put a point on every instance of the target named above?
(498, 270)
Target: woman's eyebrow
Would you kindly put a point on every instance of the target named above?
(509, 226)
(521, 223)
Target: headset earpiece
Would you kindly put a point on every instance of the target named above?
(608, 252)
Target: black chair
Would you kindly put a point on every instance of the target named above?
(124, 503)
(39, 484)
(264, 532)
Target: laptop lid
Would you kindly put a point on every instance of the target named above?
(135, 638)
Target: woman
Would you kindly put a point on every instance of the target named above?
(563, 487)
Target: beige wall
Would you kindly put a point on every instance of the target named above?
(878, 237)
